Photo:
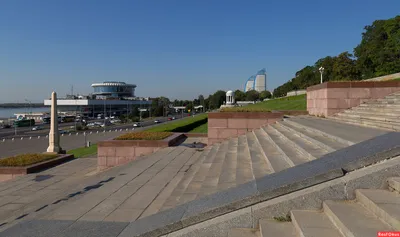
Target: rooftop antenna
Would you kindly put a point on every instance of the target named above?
(72, 89)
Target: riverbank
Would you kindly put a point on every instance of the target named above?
(9, 112)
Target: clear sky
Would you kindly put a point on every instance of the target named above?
(174, 48)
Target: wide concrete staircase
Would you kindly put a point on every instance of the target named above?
(381, 113)
(264, 151)
(373, 211)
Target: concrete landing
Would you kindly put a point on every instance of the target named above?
(75, 198)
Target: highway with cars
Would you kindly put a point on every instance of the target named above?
(39, 142)
(27, 131)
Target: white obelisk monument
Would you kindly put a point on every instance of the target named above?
(54, 136)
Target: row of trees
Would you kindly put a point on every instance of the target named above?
(377, 54)
(161, 105)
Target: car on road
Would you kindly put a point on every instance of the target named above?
(62, 131)
(115, 121)
(173, 118)
(169, 119)
(36, 128)
(6, 126)
(157, 121)
(137, 124)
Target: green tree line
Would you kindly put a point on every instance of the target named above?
(377, 54)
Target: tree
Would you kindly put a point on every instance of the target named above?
(252, 95)
(345, 68)
(240, 95)
(201, 99)
(265, 95)
(379, 51)
(217, 99)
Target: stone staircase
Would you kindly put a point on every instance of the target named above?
(381, 113)
(261, 152)
(372, 211)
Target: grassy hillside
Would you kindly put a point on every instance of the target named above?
(298, 102)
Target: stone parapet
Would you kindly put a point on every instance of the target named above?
(112, 153)
(330, 98)
(224, 125)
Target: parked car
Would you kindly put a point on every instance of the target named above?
(36, 128)
(62, 131)
(173, 118)
(137, 125)
(169, 119)
(6, 126)
(115, 121)
(156, 121)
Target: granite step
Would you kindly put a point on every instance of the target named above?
(383, 203)
(313, 223)
(171, 196)
(210, 183)
(391, 114)
(311, 128)
(259, 162)
(323, 142)
(394, 184)
(275, 157)
(310, 151)
(291, 154)
(244, 168)
(370, 116)
(377, 104)
(244, 232)
(366, 123)
(342, 130)
(227, 178)
(352, 219)
(272, 228)
(191, 184)
(377, 109)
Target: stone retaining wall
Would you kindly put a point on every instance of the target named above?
(118, 152)
(330, 98)
(224, 125)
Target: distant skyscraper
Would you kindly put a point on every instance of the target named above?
(257, 82)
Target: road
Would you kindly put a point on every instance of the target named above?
(17, 146)
(26, 131)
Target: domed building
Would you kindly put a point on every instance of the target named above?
(230, 100)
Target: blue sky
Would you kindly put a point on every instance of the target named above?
(174, 48)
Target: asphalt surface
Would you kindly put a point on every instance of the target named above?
(33, 144)
(26, 131)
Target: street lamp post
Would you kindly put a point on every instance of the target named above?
(321, 70)
(30, 109)
(104, 115)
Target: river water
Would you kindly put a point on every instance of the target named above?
(9, 112)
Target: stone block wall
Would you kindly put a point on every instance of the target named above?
(330, 98)
(224, 125)
(118, 152)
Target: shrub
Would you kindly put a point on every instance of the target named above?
(26, 159)
(244, 109)
(184, 125)
(144, 136)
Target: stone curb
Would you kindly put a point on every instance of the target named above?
(36, 167)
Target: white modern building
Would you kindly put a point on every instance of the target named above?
(109, 98)
(257, 82)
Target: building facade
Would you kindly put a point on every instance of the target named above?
(113, 89)
(108, 99)
(257, 82)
